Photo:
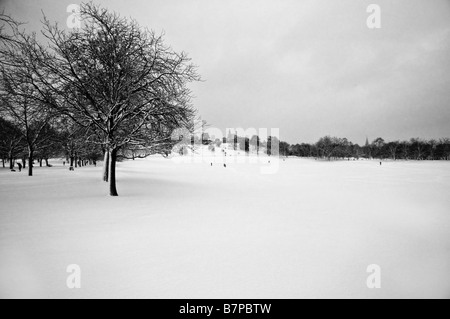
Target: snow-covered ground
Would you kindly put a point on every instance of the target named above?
(196, 231)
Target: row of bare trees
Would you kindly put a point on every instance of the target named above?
(414, 149)
(339, 148)
(109, 84)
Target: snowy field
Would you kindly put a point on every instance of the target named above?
(196, 231)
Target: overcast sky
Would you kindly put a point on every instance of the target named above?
(310, 68)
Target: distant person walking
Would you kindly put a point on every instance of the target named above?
(20, 167)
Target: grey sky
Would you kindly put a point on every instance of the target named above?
(310, 68)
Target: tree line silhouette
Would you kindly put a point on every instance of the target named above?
(334, 148)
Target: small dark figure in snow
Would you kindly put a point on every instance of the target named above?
(71, 168)
(20, 167)
(64, 163)
(225, 165)
(381, 163)
(211, 164)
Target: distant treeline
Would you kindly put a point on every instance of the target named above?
(330, 148)
(338, 148)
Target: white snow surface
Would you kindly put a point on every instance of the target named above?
(195, 231)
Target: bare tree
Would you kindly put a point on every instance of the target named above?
(393, 147)
(21, 101)
(418, 146)
(255, 143)
(117, 78)
(445, 146)
(8, 28)
(11, 142)
(29, 117)
(73, 139)
(111, 77)
(328, 146)
(432, 145)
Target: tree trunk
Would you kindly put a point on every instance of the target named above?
(30, 161)
(46, 162)
(24, 162)
(106, 167)
(72, 160)
(40, 162)
(11, 162)
(3, 162)
(112, 173)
